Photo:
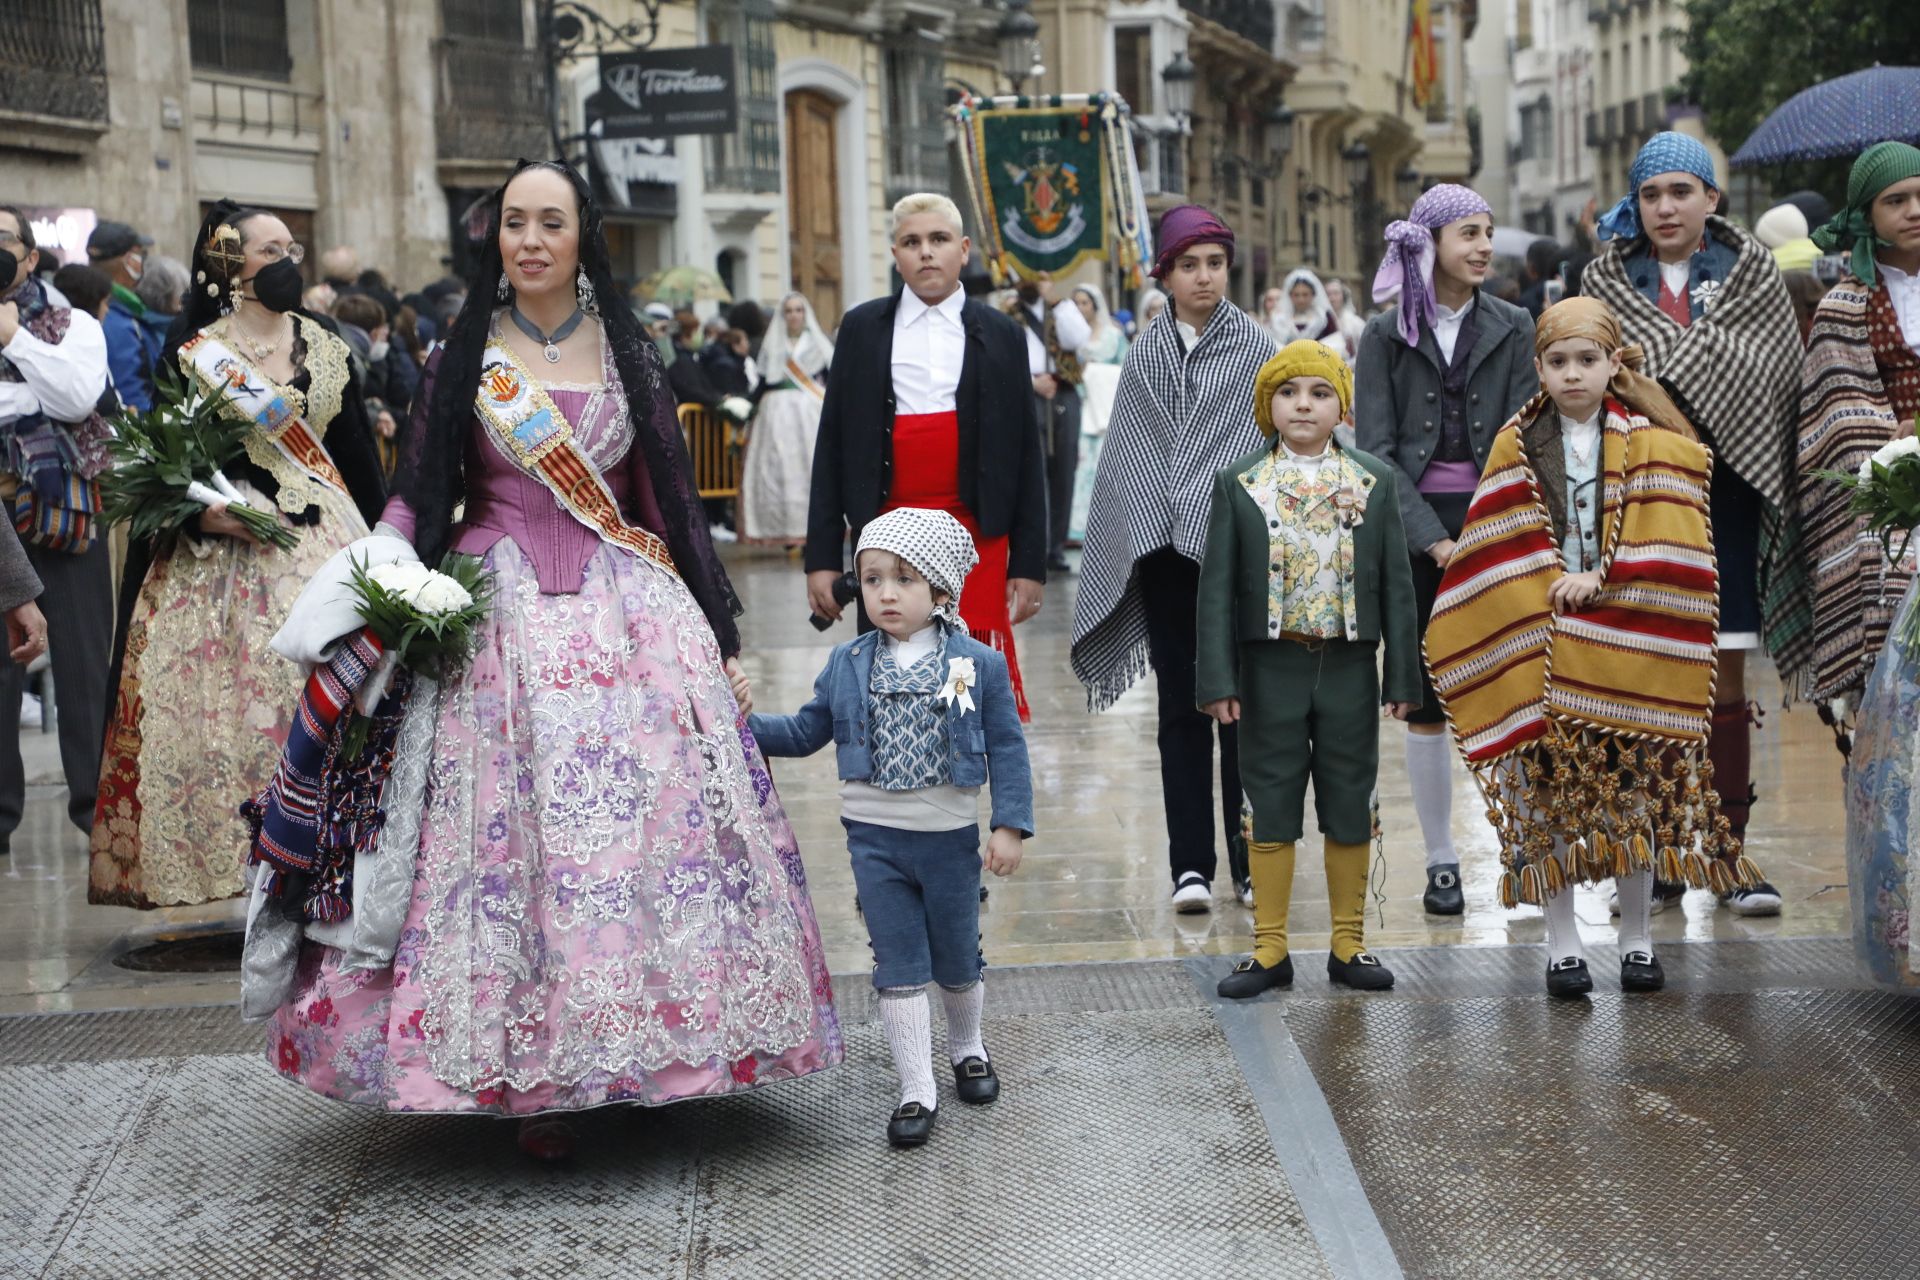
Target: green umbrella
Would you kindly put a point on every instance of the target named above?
(682, 286)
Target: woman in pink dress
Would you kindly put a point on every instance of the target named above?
(608, 903)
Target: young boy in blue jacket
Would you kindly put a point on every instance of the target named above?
(920, 714)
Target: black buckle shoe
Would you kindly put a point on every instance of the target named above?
(1363, 973)
(1568, 978)
(1443, 896)
(974, 1080)
(1639, 971)
(911, 1125)
(1249, 978)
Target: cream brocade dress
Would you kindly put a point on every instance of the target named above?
(204, 704)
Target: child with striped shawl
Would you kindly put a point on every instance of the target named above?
(1573, 645)
(1859, 388)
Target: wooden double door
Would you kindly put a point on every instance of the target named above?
(813, 202)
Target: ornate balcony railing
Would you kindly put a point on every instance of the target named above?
(490, 100)
(1252, 19)
(53, 59)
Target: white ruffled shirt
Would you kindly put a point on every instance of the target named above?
(1446, 326)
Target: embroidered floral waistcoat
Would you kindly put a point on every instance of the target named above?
(1310, 513)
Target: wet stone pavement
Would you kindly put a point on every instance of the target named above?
(1761, 1117)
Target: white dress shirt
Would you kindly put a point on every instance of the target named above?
(1446, 327)
(1677, 277)
(1903, 291)
(1069, 326)
(63, 381)
(929, 346)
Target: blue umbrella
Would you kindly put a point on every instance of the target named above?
(1841, 117)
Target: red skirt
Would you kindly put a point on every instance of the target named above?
(926, 473)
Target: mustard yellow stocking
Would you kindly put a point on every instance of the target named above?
(1271, 865)
(1347, 897)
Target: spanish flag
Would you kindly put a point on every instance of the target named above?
(1425, 61)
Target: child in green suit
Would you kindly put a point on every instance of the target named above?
(1305, 576)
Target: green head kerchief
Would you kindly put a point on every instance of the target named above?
(1879, 167)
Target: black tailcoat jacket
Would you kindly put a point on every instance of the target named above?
(1002, 471)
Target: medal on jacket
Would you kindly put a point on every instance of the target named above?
(550, 343)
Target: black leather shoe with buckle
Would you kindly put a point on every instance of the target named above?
(1250, 977)
(1639, 971)
(1568, 978)
(975, 1081)
(911, 1125)
(1443, 896)
(1363, 973)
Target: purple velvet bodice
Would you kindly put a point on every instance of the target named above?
(502, 501)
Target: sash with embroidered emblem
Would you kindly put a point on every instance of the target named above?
(525, 425)
(254, 397)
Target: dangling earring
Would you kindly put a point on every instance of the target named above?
(583, 289)
(504, 289)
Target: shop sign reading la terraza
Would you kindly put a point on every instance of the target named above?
(661, 93)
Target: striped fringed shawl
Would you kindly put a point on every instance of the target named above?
(1735, 374)
(1179, 417)
(1591, 726)
(1845, 415)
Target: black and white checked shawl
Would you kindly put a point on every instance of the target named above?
(1178, 418)
(1736, 373)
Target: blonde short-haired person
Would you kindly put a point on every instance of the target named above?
(931, 405)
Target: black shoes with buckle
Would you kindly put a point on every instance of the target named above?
(1249, 978)
(1443, 896)
(975, 1082)
(1363, 973)
(1568, 978)
(1639, 971)
(911, 1125)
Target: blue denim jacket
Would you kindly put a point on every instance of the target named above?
(1708, 269)
(988, 737)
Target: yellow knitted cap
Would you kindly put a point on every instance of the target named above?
(1302, 357)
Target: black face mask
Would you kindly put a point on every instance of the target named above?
(8, 266)
(278, 287)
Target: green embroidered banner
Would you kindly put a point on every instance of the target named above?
(1042, 174)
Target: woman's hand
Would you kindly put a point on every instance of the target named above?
(215, 521)
(1023, 598)
(742, 687)
(1401, 710)
(1573, 591)
(1004, 848)
(1224, 710)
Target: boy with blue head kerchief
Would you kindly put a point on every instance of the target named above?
(920, 714)
(1706, 303)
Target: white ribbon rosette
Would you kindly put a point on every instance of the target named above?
(960, 682)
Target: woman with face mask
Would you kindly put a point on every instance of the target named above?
(203, 706)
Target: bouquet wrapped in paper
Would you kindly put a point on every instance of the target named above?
(167, 466)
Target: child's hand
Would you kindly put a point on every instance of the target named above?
(1004, 848)
(1225, 710)
(1400, 710)
(1572, 591)
(742, 687)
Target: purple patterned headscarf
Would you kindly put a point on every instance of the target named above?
(1185, 226)
(1408, 267)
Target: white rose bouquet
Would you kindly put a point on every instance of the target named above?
(1886, 491)
(425, 620)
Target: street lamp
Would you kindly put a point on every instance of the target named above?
(1019, 38)
(1359, 165)
(1279, 124)
(1179, 76)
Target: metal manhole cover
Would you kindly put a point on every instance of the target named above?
(199, 952)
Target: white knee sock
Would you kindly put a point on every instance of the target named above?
(1636, 911)
(905, 1014)
(1563, 929)
(1430, 771)
(963, 1021)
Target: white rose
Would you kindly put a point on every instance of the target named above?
(1894, 450)
(402, 579)
(440, 594)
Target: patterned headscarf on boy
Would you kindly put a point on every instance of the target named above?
(1667, 152)
(1590, 318)
(1851, 230)
(935, 544)
(1407, 270)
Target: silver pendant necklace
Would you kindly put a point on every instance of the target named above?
(550, 343)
